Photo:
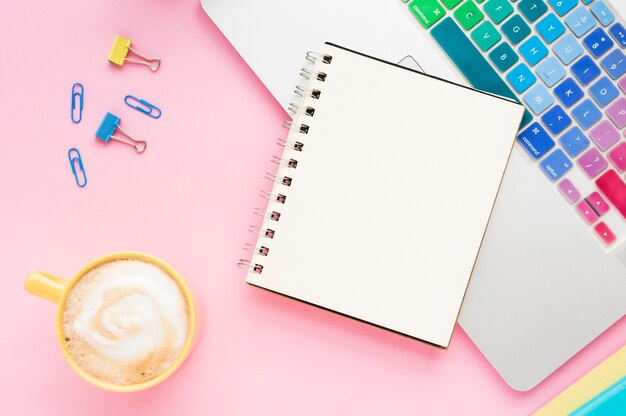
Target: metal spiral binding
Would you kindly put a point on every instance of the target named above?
(299, 128)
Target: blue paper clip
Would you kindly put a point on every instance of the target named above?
(107, 129)
(74, 161)
(78, 94)
(142, 106)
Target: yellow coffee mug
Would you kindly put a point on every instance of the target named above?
(56, 289)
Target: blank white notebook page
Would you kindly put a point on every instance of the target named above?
(390, 197)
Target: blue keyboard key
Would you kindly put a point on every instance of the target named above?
(568, 92)
(604, 91)
(587, 1)
(551, 71)
(550, 28)
(563, 6)
(516, 29)
(614, 64)
(598, 42)
(619, 33)
(521, 78)
(587, 114)
(555, 165)
(503, 56)
(602, 13)
(536, 140)
(574, 141)
(556, 120)
(538, 99)
(580, 21)
(533, 50)
(568, 49)
(585, 70)
(532, 9)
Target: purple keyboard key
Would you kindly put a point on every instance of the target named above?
(592, 162)
(604, 135)
(622, 84)
(617, 113)
(569, 191)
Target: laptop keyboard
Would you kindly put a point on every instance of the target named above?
(564, 60)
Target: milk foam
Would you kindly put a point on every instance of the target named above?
(125, 321)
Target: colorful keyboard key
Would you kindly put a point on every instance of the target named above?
(516, 29)
(568, 49)
(602, 13)
(622, 84)
(617, 113)
(569, 191)
(604, 91)
(503, 56)
(619, 34)
(592, 162)
(427, 12)
(598, 203)
(451, 4)
(551, 71)
(604, 135)
(614, 189)
(585, 70)
(580, 21)
(532, 9)
(486, 35)
(562, 7)
(533, 50)
(587, 114)
(536, 140)
(538, 99)
(555, 165)
(556, 120)
(568, 92)
(498, 10)
(468, 15)
(604, 232)
(587, 212)
(574, 141)
(598, 42)
(550, 28)
(614, 64)
(468, 59)
(617, 156)
(521, 78)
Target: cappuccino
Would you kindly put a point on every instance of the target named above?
(125, 322)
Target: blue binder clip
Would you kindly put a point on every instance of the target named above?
(142, 106)
(77, 162)
(108, 128)
(78, 96)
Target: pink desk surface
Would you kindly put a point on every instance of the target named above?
(189, 200)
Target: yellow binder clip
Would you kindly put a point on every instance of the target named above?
(120, 50)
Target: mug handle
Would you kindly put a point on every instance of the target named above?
(45, 286)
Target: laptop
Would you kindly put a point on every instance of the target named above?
(551, 273)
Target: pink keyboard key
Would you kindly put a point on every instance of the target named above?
(618, 156)
(605, 233)
(598, 203)
(617, 112)
(585, 210)
(604, 135)
(622, 84)
(592, 162)
(569, 191)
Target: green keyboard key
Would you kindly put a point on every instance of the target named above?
(428, 12)
(450, 4)
(468, 15)
(486, 35)
(468, 59)
(498, 10)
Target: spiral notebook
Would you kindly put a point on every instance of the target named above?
(383, 191)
